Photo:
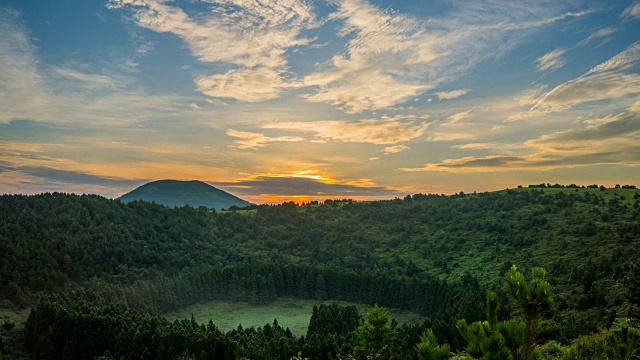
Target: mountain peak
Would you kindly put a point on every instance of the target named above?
(184, 192)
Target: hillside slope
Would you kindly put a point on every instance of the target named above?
(174, 193)
(585, 238)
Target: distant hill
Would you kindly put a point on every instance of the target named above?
(179, 193)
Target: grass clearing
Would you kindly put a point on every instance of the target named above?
(18, 317)
(12, 336)
(290, 312)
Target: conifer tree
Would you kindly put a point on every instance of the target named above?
(533, 298)
(375, 337)
(428, 348)
(515, 338)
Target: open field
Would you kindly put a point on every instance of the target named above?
(290, 312)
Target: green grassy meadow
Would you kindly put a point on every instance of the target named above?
(290, 312)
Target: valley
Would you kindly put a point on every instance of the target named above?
(138, 267)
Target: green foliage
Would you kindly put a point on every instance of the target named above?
(474, 334)
(428, 348)
(299, 357)
(513, 334)
(492, 310)
(585, 237)
(432, 254)
(374, 335)
(78, 326)
(333, 319)
(70, 326)
(632, 281)
(622, 342)
(534, 299)
(515, 338)
(82, 324)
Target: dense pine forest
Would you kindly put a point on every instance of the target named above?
(98, 274)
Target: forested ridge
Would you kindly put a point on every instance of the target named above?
(437, 255)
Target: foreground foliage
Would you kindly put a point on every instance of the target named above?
(77, 326)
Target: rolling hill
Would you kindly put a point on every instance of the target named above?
(179, 193)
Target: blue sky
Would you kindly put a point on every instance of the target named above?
(299, 100)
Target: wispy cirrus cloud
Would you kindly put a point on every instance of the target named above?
(398, 57)
(22, 88)
(447, 95)
(8, 145)
(609, 140)
(612, 132)
(380, 132)
(387, 60)
(361, 90)
(610, 80)
(594, 87)
(602, 33)
(88, 79)
(251, 140)
(626, 57)
(375, 71)
(32, 168)
(250, 37)
(395, 149)
(31, 88)
(478, 146)
(533, 162)
(457, 117)
(632, 12)
(250, 85)
(552, 60)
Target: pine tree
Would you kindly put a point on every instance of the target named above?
(533, 298)
(428, 348)
(375, 337)
(515, 338)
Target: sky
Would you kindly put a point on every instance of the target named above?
(298, 100)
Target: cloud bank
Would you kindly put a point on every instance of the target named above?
(610, 140)
(371, 131)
